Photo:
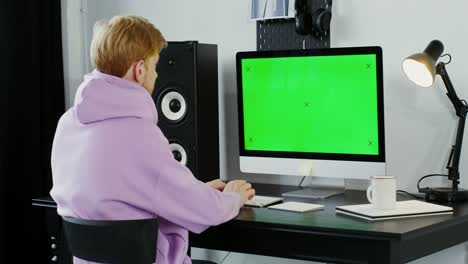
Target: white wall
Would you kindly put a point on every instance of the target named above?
(73, 48)
(420, 123)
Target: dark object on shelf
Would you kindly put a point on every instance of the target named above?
(313, 21)
(421, 68)
(308, 21)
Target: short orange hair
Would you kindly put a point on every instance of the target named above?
(123, 40)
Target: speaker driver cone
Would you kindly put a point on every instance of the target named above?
(173, 106)
(179, 153)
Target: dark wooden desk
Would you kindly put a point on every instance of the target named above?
(328, 237)
(318, 236)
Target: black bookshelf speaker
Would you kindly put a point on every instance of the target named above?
(186, 97)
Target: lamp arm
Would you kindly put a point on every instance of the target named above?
(462, 110)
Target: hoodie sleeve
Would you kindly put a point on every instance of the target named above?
(178, 196)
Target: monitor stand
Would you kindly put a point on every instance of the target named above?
(316, 192)
(318, 188)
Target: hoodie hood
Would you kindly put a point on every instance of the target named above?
(102, 96)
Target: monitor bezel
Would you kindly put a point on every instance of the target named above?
(374, 50)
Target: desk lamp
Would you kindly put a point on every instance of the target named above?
(421, 68)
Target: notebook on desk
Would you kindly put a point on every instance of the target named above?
(297, 207)
(404, 209)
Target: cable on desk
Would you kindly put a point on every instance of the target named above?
(303, 178)
(410, 194)
(424, 190)
(225, 257)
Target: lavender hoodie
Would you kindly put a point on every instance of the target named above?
(110, 161)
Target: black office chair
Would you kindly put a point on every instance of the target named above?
(119, 242)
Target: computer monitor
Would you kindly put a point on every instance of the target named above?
(317, 112)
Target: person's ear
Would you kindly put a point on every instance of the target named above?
(139, 72)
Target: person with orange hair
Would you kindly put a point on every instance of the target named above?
(110, 160)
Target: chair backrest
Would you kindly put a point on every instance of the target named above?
(116, 242)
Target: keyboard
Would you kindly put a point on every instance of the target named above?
(262, 201)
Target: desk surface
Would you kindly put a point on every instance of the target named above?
(328, 220)
(327, 236)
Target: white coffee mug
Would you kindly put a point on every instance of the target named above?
(382, 192)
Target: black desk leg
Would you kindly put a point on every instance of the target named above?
(389, 254)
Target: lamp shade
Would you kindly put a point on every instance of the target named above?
(421, 67)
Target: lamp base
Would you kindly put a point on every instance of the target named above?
(446, 195)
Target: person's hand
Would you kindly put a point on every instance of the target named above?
(241, 187)
(217, 184)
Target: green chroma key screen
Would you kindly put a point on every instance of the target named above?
(318, 104)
